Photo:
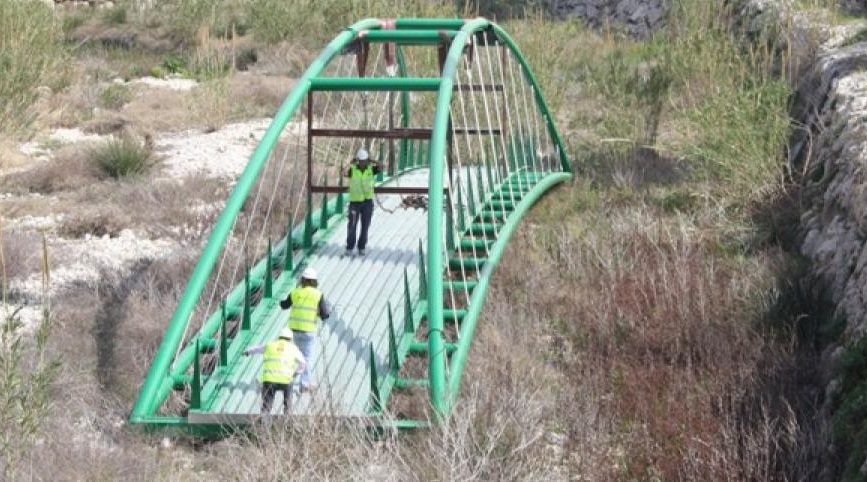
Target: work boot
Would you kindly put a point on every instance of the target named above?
(347, 253)
(360, 252)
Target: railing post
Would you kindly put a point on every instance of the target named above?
(338, 206)
(422, 273)
(450, 233)
(480, 181)
(196, 387)
(224, 343)
(245, 320)
(408, 324)
(490, 174)
(407, 301)
(461, 216)
(471, 201)
(375, 399)
(323, 217)
(268, 266)
(393, 362)
(308, 223)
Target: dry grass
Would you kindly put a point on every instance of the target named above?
(634, 330)
(69, 168)
(660, 317)
(20, 258)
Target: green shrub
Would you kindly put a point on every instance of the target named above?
(157, 71)
(115, 15)
(30, 54)
(174, 65)
(186, 17)
(26, 377)
(71, 21)
(134, 71)
(114, 96)
(123, 156)
(312, 22)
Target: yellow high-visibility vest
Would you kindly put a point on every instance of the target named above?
(280, 362)
(360, 183)
(305, 308)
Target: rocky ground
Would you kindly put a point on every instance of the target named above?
(83, 258)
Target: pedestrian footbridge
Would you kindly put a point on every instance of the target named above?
(453, 113)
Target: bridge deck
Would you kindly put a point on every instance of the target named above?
(358, 290)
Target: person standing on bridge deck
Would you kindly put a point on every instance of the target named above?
(283, 361)
(306, 303)
(361, 173)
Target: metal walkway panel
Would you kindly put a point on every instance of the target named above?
(358, 290)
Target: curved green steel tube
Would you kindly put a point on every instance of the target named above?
(470, 320)
(442, 396)
(540, 99)
(436, 158)
(442, 391)
(148, 402)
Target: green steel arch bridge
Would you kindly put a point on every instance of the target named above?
(453, 112)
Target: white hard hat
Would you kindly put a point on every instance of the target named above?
(309, 273)
(361, 155)
(286, 333)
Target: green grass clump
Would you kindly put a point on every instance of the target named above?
(312, 22)
(115, 15)
(859, 37)
(26, 379)
(849, 427)
(30, 54)
(114, 96)
(123, 156)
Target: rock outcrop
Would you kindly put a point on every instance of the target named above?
(835, 225)
(639, 17)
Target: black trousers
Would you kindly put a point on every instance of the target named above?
(269, 390)
(359, 211)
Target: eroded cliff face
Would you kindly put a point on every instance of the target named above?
(638, 17)
(833, 158)
(828, 158)
(835, 161)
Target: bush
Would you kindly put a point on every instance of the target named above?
(25, 384)
(30, 54)
(312, 22)
(115, 15)
(114, 96)
(123, 156)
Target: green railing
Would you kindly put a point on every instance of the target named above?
(171, 365)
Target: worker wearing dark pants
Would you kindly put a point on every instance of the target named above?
(282, 362)
(358, 211)
(362, 174)
(269, 390)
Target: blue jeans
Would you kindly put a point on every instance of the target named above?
(363, 212)
(306, 342)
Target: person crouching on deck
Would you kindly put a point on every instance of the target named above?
(283, 361)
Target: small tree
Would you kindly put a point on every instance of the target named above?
(26, 377)
(25, 385)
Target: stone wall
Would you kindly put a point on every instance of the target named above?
(829, 155)
(638, 17)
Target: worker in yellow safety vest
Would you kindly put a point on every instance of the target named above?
(282, 362)
(305, 304)
(362, 174)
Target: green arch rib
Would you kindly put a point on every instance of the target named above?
(154, 391)
(159, 381)
(442, 395)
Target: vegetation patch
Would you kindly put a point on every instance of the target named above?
(30, 56)
(123, 156)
